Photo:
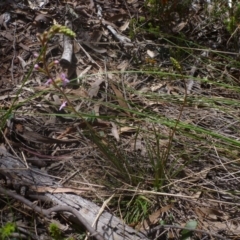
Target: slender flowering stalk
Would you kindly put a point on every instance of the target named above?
(46, 67)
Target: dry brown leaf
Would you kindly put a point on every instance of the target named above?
(7, 35)
(209, 213)
(56, 99)
(127, 129)
(197, 194)
(123, 65)
(39, 88)
(124, 26)
(22, 62)
(117, 17)
(112, 53)
(96, 109)
(80, 92)
(76, 46)
(179, 27)
(152, 54)
(121, 101)
(195, 177)
(154, 217)
(115, 131)
(156, 87)
(84, 71)
(7, 96)
(24, 47)
(93, 90)
(231, 226)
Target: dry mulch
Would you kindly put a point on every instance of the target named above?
(59, 142)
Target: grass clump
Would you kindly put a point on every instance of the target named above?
(55, 232)
(7, 230)
(137, 209)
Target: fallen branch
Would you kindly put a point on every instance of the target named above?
(19, 177)
(47, 212)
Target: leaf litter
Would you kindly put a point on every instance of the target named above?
(123, 105)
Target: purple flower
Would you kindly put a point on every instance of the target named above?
(48, 82)
(36, 66)
(35, 55)
(64, 79)
(63, 105)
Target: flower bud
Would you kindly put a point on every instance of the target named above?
(36, 66)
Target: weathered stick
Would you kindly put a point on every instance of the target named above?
(66, 58)
(47, 212)
(107, 225)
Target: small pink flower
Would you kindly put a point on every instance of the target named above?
(36, 66)
(64, 104)
(64, 79)
(35, 55)
(48, 82)
(56, 62)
